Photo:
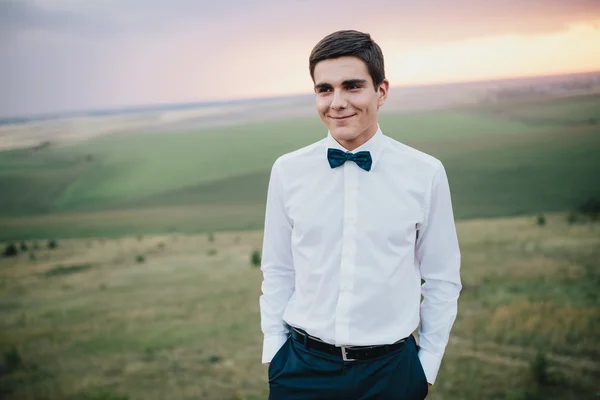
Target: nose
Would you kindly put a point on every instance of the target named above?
(339, 101)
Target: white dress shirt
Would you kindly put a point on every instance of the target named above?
(345, 249)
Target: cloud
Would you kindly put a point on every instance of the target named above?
(429, 21)
(22, 16)
(112, 17)
(425, 20)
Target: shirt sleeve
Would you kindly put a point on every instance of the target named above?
(439, 255)
(277, 267)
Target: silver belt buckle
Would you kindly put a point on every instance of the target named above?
(345, 355)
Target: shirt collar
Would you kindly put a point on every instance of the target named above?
(374, 145)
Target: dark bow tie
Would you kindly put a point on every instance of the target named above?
(338, 157)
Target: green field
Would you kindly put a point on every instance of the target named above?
(502, 160)
(141, 301)
(87, 321)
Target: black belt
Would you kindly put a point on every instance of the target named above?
(347, 353)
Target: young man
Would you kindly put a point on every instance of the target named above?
(353, 223)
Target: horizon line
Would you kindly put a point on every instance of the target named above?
(140, 107)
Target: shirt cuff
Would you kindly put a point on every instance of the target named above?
(431, 364)
(271, 346)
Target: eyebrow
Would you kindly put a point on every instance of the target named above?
(351, 82)
(322, 86)
(348, 82)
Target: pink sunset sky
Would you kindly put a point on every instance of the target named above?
(67, 55)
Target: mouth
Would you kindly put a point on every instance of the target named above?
(342, 118)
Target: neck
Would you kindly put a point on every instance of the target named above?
(361, 139)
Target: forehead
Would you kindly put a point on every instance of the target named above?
(337, 70)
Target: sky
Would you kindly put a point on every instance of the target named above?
(71, 55)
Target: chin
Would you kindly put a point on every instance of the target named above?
(344, 133)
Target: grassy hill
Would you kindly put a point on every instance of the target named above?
(502, 160)
(177, 317)
(138, 301)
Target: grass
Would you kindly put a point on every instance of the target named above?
(197, 218)
(153, 290)
(185, 323)
(567, 111)
(502, 160)
(62, 270)
(136, 166)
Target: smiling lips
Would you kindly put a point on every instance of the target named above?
(342, 118)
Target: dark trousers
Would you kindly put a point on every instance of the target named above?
(300, 373)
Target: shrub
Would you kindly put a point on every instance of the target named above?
(10, 250)
(12, 359)
(539, 370)
(211, 252)
(590, 208)
(24, 246)
(32, 256)
(35, 245)
(66, 270)
(215, 358)
(541, 220)
(140, 258)
(211, 237)
(573, 218)
(255, 258)
(52, 244)
(149, 352)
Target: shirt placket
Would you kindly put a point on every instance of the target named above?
(348, 265)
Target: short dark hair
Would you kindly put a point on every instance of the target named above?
(350, 43)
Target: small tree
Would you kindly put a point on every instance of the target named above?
(10, 250)
(572, 218)
(12, 359)
(24, 246)
(541, 220)
(539, 370)
(590, 208)
(52, 244)
(255, 258)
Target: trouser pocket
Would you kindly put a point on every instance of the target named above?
(278, 362)
(419, 373)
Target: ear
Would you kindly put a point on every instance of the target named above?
(384, 88)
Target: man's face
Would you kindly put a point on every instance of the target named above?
(347, 102)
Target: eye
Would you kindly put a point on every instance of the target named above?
(353, 86)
